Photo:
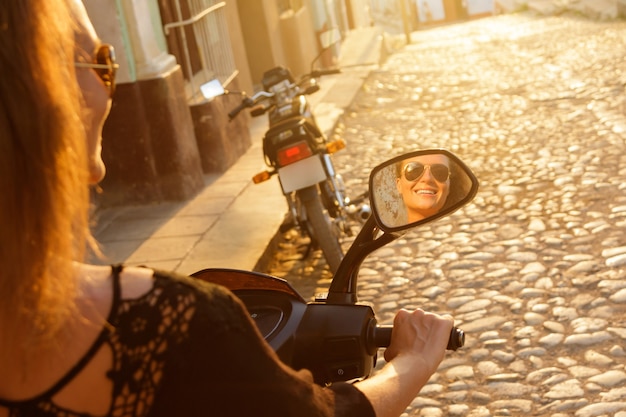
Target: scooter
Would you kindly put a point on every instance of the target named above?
(335, 336)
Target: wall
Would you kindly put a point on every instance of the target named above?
(149, 145)
(255, 34)
(359, 11)
(239, 47)
(298, 41)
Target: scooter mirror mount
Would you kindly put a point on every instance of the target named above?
(405, 192)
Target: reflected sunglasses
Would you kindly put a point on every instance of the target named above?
(104, 65)
(414, 170)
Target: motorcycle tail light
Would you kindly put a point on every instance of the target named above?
(336, 145)
(293, 153)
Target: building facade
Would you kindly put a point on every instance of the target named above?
(162, 135)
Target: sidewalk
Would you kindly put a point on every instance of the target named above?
(232, 222)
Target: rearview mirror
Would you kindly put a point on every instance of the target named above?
(212, 89)
(419, 187)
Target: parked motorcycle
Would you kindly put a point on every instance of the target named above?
(336, 337)
(297, 151)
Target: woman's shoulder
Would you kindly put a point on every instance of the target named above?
(131, 290)
(214, 302)
(101, 282)
(137, 281)
(139, 278)
(201, 308)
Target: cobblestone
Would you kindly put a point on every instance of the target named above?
(534, 270)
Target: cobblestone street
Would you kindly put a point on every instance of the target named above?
(534, 270)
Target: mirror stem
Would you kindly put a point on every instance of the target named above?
(343, 288)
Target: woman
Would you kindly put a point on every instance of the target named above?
(78, 339)
(424, 184)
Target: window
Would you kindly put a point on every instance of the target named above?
(197, 35)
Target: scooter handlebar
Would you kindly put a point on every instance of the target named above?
(382, 337)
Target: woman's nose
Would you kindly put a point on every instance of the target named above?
(427, 175)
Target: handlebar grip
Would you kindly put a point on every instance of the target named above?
(382, 337)
(234, 112)
(319, 73)
(246, 102)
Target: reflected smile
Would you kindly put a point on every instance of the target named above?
(425, 192)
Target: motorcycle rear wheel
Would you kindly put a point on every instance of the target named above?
(320, 227)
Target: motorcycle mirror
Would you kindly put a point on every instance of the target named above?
(212, 89)
(419, 187)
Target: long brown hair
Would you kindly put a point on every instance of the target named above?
(44, 197)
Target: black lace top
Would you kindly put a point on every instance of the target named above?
(188, 348)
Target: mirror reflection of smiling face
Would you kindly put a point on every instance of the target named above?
(424, 184)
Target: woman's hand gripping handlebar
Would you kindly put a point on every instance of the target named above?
(417, 330)
(382, 337)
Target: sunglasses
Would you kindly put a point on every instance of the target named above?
(414, 170)
(104, 65)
